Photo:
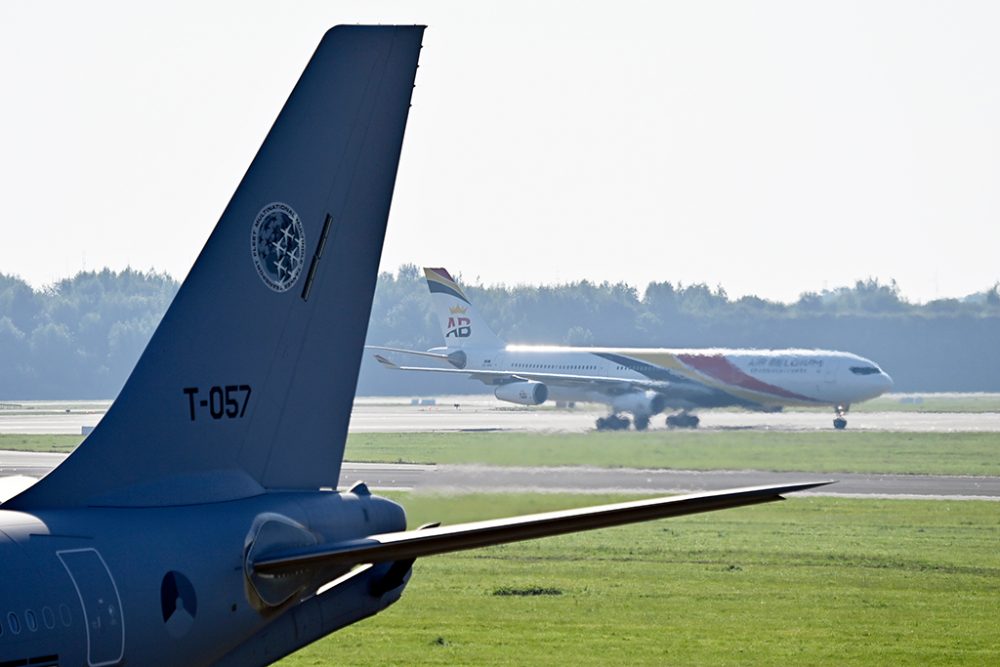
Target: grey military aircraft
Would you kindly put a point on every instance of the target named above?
(200, 524)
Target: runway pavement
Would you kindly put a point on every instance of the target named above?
(476, 413)
(465, 478)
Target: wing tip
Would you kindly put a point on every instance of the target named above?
(385, 362)
(801, 486)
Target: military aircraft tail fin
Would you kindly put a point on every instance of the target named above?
(247, 383)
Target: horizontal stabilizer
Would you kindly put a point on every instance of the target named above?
(437, 540)
(385, 362)
(416, 353)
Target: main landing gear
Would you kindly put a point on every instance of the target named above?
(641, 422)
(683, 420)
(616, 423)
(840, 422)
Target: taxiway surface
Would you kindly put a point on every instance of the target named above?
(479, 414)
(465, 413)
(481, 478)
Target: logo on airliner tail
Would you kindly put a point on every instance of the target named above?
(458, 327)
(278, 246)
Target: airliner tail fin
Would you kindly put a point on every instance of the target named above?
(461, 325)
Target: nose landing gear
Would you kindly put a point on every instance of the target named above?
(840, 422)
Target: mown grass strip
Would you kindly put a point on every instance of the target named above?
(852, 451)
(810, 581)
(961, 453)
(40, 442)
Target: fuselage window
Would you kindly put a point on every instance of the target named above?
(864, 370)
(48, 617)
(65, 615)
(14, 623)
(30, 621)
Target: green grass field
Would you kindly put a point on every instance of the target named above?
(974, 402)
(40, 443)
(852, 451)
(810, 581)
(822, 452)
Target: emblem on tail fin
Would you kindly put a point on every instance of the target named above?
(278, 246)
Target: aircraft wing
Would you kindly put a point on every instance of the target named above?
(410, 544)
(603, 383)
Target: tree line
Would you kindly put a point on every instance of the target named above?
(80, 337)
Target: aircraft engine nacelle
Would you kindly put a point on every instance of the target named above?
(641, 403)
(524, 392)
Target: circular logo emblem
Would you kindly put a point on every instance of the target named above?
(278, 246)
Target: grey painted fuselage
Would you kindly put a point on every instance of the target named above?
(107, 583)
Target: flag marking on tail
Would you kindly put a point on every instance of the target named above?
(440, 281)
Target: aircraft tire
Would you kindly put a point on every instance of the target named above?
(612, 423)
(683, 421)
(641, 423)
(840, 423)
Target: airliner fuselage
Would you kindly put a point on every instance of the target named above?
(640, 381)
(701, 377)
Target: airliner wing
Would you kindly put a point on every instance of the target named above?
(599, 382)
(410, 544)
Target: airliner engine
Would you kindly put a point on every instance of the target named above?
(641, 403)
(524, 392)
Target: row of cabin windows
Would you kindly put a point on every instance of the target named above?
(13, 623)
(560, 367)
(581, 367)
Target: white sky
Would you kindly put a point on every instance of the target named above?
(770, 147)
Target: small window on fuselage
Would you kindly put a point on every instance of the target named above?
(865, 370)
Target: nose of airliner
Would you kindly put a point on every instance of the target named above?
(885, 382)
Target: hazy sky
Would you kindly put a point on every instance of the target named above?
(770, 147)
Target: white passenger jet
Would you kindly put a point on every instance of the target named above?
(642, 381)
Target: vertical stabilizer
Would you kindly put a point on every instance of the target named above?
(461, 326)
(248, 382)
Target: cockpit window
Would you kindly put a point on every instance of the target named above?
(865, 370)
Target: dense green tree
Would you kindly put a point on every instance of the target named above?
(80, 337)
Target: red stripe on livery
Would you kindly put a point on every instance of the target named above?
(718, 367)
